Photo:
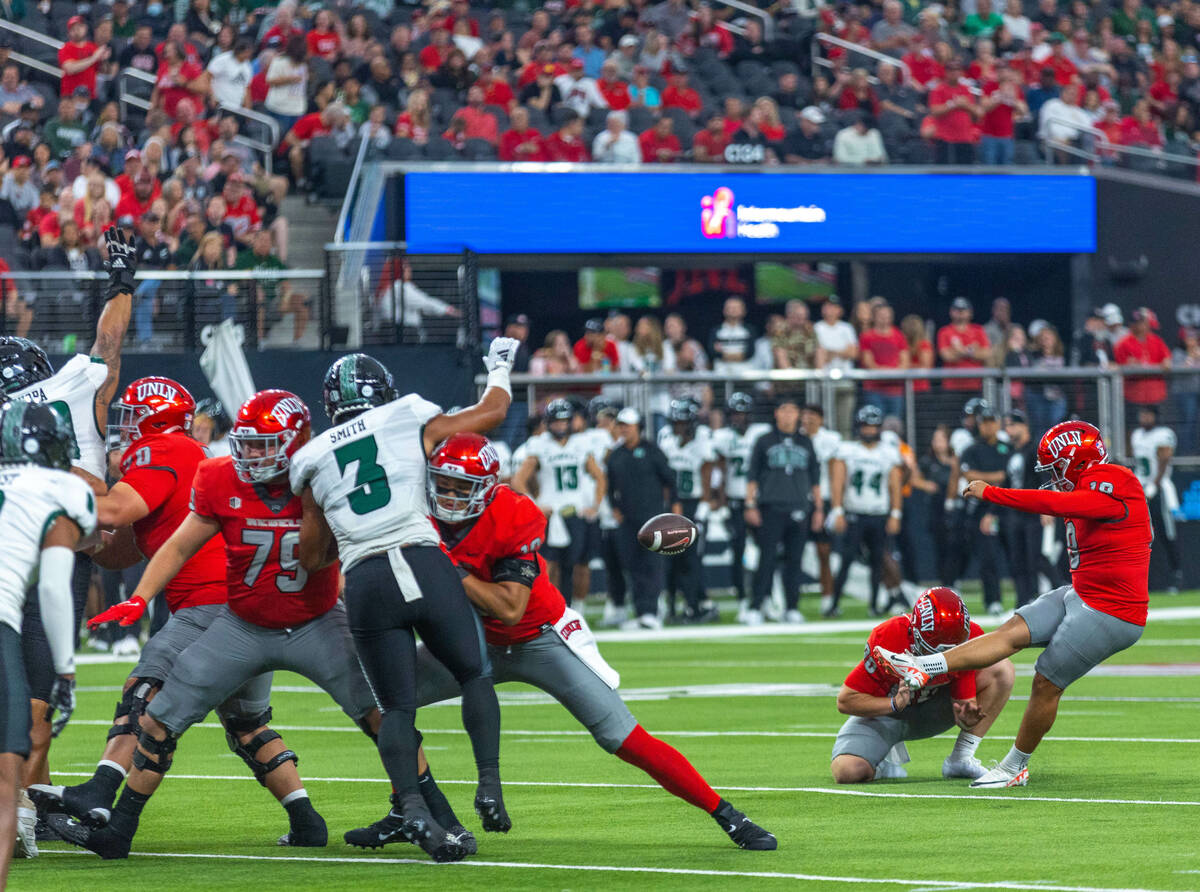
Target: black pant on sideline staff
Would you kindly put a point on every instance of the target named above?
(1164, 532)
(789, 528)
(685, 572)
(614, 571)
(645, 568)
(737, 542)
(985, 548)
(867, 531)
(384, 607)
(1023, 541)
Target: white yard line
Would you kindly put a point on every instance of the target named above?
(823, 791)
(670, 871)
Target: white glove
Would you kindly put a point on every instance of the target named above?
(499, 362)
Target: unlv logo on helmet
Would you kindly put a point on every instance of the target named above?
(1063, 440)
(147, 389)
(287, 407)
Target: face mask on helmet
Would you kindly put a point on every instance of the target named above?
(258, 457)
(456, 497)
(939, 621)
(869, 433)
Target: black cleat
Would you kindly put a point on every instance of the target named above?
(105, 841)
(308, 832)
(742, 830)
(89, 810)
(489, 805)
(419, 827)
(43, 832)
(388, 829)
(464, 838)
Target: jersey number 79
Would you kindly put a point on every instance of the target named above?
(289, 562)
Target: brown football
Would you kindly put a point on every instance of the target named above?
(667, 534)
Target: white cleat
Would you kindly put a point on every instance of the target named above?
(127, 647)
(26, 828)
(751, 617)
(889, 770)
(1001, 777)
(902, 666)
(613, 615)
(643, 622)
(964, 766)
(793, 617)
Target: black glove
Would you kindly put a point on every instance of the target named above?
(121, 263)
(62, 700)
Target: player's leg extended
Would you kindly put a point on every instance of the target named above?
(548, 663)
(383, 599)
(14, 747)
(10, 782)
(454, 635)
(848, 550)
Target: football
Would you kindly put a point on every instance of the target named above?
(667, 534)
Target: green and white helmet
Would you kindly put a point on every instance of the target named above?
(36, 433)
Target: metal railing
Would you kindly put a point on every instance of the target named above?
(819, 61)
(924, 398)
(1105, 151)
(170, 307)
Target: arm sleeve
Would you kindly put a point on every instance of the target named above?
(54, 598)
(756, 459)
(80, 504)
(1078, 503)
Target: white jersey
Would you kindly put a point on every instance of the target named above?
(825, 444)
(961, 440)
(218, 448)
(867, 471)
(666, 431)
(505, 454)
(368, 476)
(31, 497)
(74, 387)
(1145, 445)
(562, 469)
(735, 448)
(687, 460)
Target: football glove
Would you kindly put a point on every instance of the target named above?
(502, 354)
(121, 263)
(126, 613)
(62, 701)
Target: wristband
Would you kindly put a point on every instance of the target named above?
(896, 513)
(892, 697)
(498, 377)
(952, 504)
(836, 511)
(751, 506)
(119, 282)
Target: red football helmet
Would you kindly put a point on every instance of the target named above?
(463, 474)
(1066, 450)
(939, 621)
(150, 406)
(269, 428)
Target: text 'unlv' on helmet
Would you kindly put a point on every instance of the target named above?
(151, 406)
(940, 620)
(463, 474)
(38, 434)
(269, 428)
(22, 363)
(1066, 450)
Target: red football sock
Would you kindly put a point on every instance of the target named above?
(668, 766)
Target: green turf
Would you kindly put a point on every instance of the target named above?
(919, 841)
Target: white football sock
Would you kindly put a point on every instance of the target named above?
(293, 796)
(965, 746)
(934, 664)
(1015, 760)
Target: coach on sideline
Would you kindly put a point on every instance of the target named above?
(640, 485)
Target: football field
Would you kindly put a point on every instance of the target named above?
(1113, 801)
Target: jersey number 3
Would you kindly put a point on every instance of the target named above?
(289, 563)
(371, 491)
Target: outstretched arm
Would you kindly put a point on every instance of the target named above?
(489, 412)
(1089, 503)
(114, 319)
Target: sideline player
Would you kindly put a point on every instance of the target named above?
(561, 458)
(1153, 447)
(83, 388)
(278, 616)
(883, 714)
(733, 445)
(689, 451)
(363, 482)
(533, 636)
(864, 489)
(158, 464)
(825, 445)
(1102, 611)
(44, 512)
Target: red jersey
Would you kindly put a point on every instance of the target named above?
(651, 143)
(956, 124)
(72, 52)
(686, 99)
(160, 469)
(510, 139)
(1108, 536)
(894, 634)
(266, 584)
(512, 526)
(325, 45)
(243, 215)
(497, 92)
(998, 121)
(310, 125)
(949, 336)
(131, 207)
(558, 148)
(886, 349)
(615, 93)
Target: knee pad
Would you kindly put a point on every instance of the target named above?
(248, 750)
(235, 725)
(132, 705)
(162, 750)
